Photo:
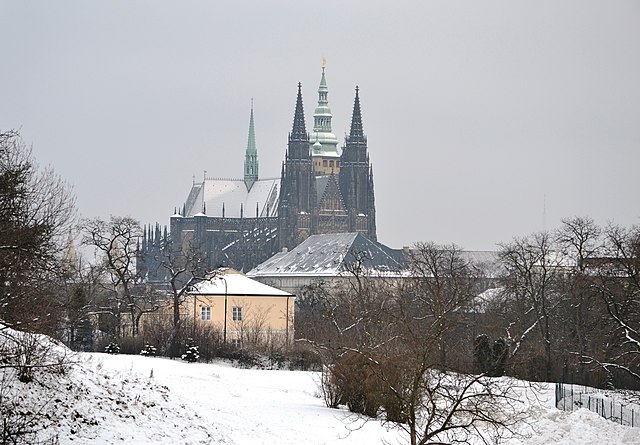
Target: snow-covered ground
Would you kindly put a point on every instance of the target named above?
(115, 399)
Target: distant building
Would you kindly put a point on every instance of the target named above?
(241, 309)
(329, 259)
(240, 223)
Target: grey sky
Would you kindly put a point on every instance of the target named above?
(474, 111)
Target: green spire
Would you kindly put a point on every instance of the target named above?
(251, 156)
(322, 133)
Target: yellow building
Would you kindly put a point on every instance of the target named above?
(244, 310)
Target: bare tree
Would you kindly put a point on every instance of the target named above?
(182, 264)
(582, 331)
(618, 284)
(387, 340)
(531, 283)
(116, 240)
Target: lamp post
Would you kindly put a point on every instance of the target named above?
(191, 290)
(224, 329)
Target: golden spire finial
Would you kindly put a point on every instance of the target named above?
(324, 61)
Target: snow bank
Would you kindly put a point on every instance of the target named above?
(109, 399)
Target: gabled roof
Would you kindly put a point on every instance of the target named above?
(212, 194)
(330, 255)
(325, 187)
(237, 284)
(321, 186)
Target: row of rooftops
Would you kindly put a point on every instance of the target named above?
(319, 256)
(331, 255)
(328, 256)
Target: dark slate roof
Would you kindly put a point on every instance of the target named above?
(330, 255)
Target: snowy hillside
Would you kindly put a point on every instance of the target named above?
(109, 399)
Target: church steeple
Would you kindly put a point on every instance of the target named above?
(298, 138)
(325, 142)
(251, 156)
(356, 177)
(299, 131)
(356, 134)
(355, 149)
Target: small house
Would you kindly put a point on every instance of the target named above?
(242, 309)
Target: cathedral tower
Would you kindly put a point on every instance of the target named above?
(324, 144)
(251, 156)
(297, 184)
(242, 222)
(356, 177)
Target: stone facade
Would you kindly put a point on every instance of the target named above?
(241, 223)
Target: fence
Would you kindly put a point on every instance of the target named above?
(606, 403)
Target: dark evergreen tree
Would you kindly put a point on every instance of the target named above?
(112, 348)
(191, 353)
(36, 209)
(482, 353)
(490, 360)
(499, 357)
(149, 351)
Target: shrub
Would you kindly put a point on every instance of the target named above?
(112, 348)
(191, 353)
(149, 351)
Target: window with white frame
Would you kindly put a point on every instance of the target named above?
(205, 313)
(237, 313)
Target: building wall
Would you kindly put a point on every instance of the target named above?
(261, 315)
(325, 165)
(240, 243)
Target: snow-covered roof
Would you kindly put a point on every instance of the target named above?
(236, 284)
(232, 193)
(329, 255)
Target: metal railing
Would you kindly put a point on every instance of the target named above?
(571, 397)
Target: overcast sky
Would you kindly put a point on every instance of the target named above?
(485, 119)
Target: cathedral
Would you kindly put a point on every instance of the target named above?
(322, 189)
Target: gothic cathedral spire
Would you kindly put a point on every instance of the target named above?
(356, 135)
(251, 156)
(297, 184)
(299, 131)
(356, 144)
(356, 177)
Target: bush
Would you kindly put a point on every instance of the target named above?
(30, 359)
(112, 348)
(149, 351)
(371, 388)
(357, 384)
(488, 360)
(131, 345)
(301, 358)
(331, 392)
(191, 353)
